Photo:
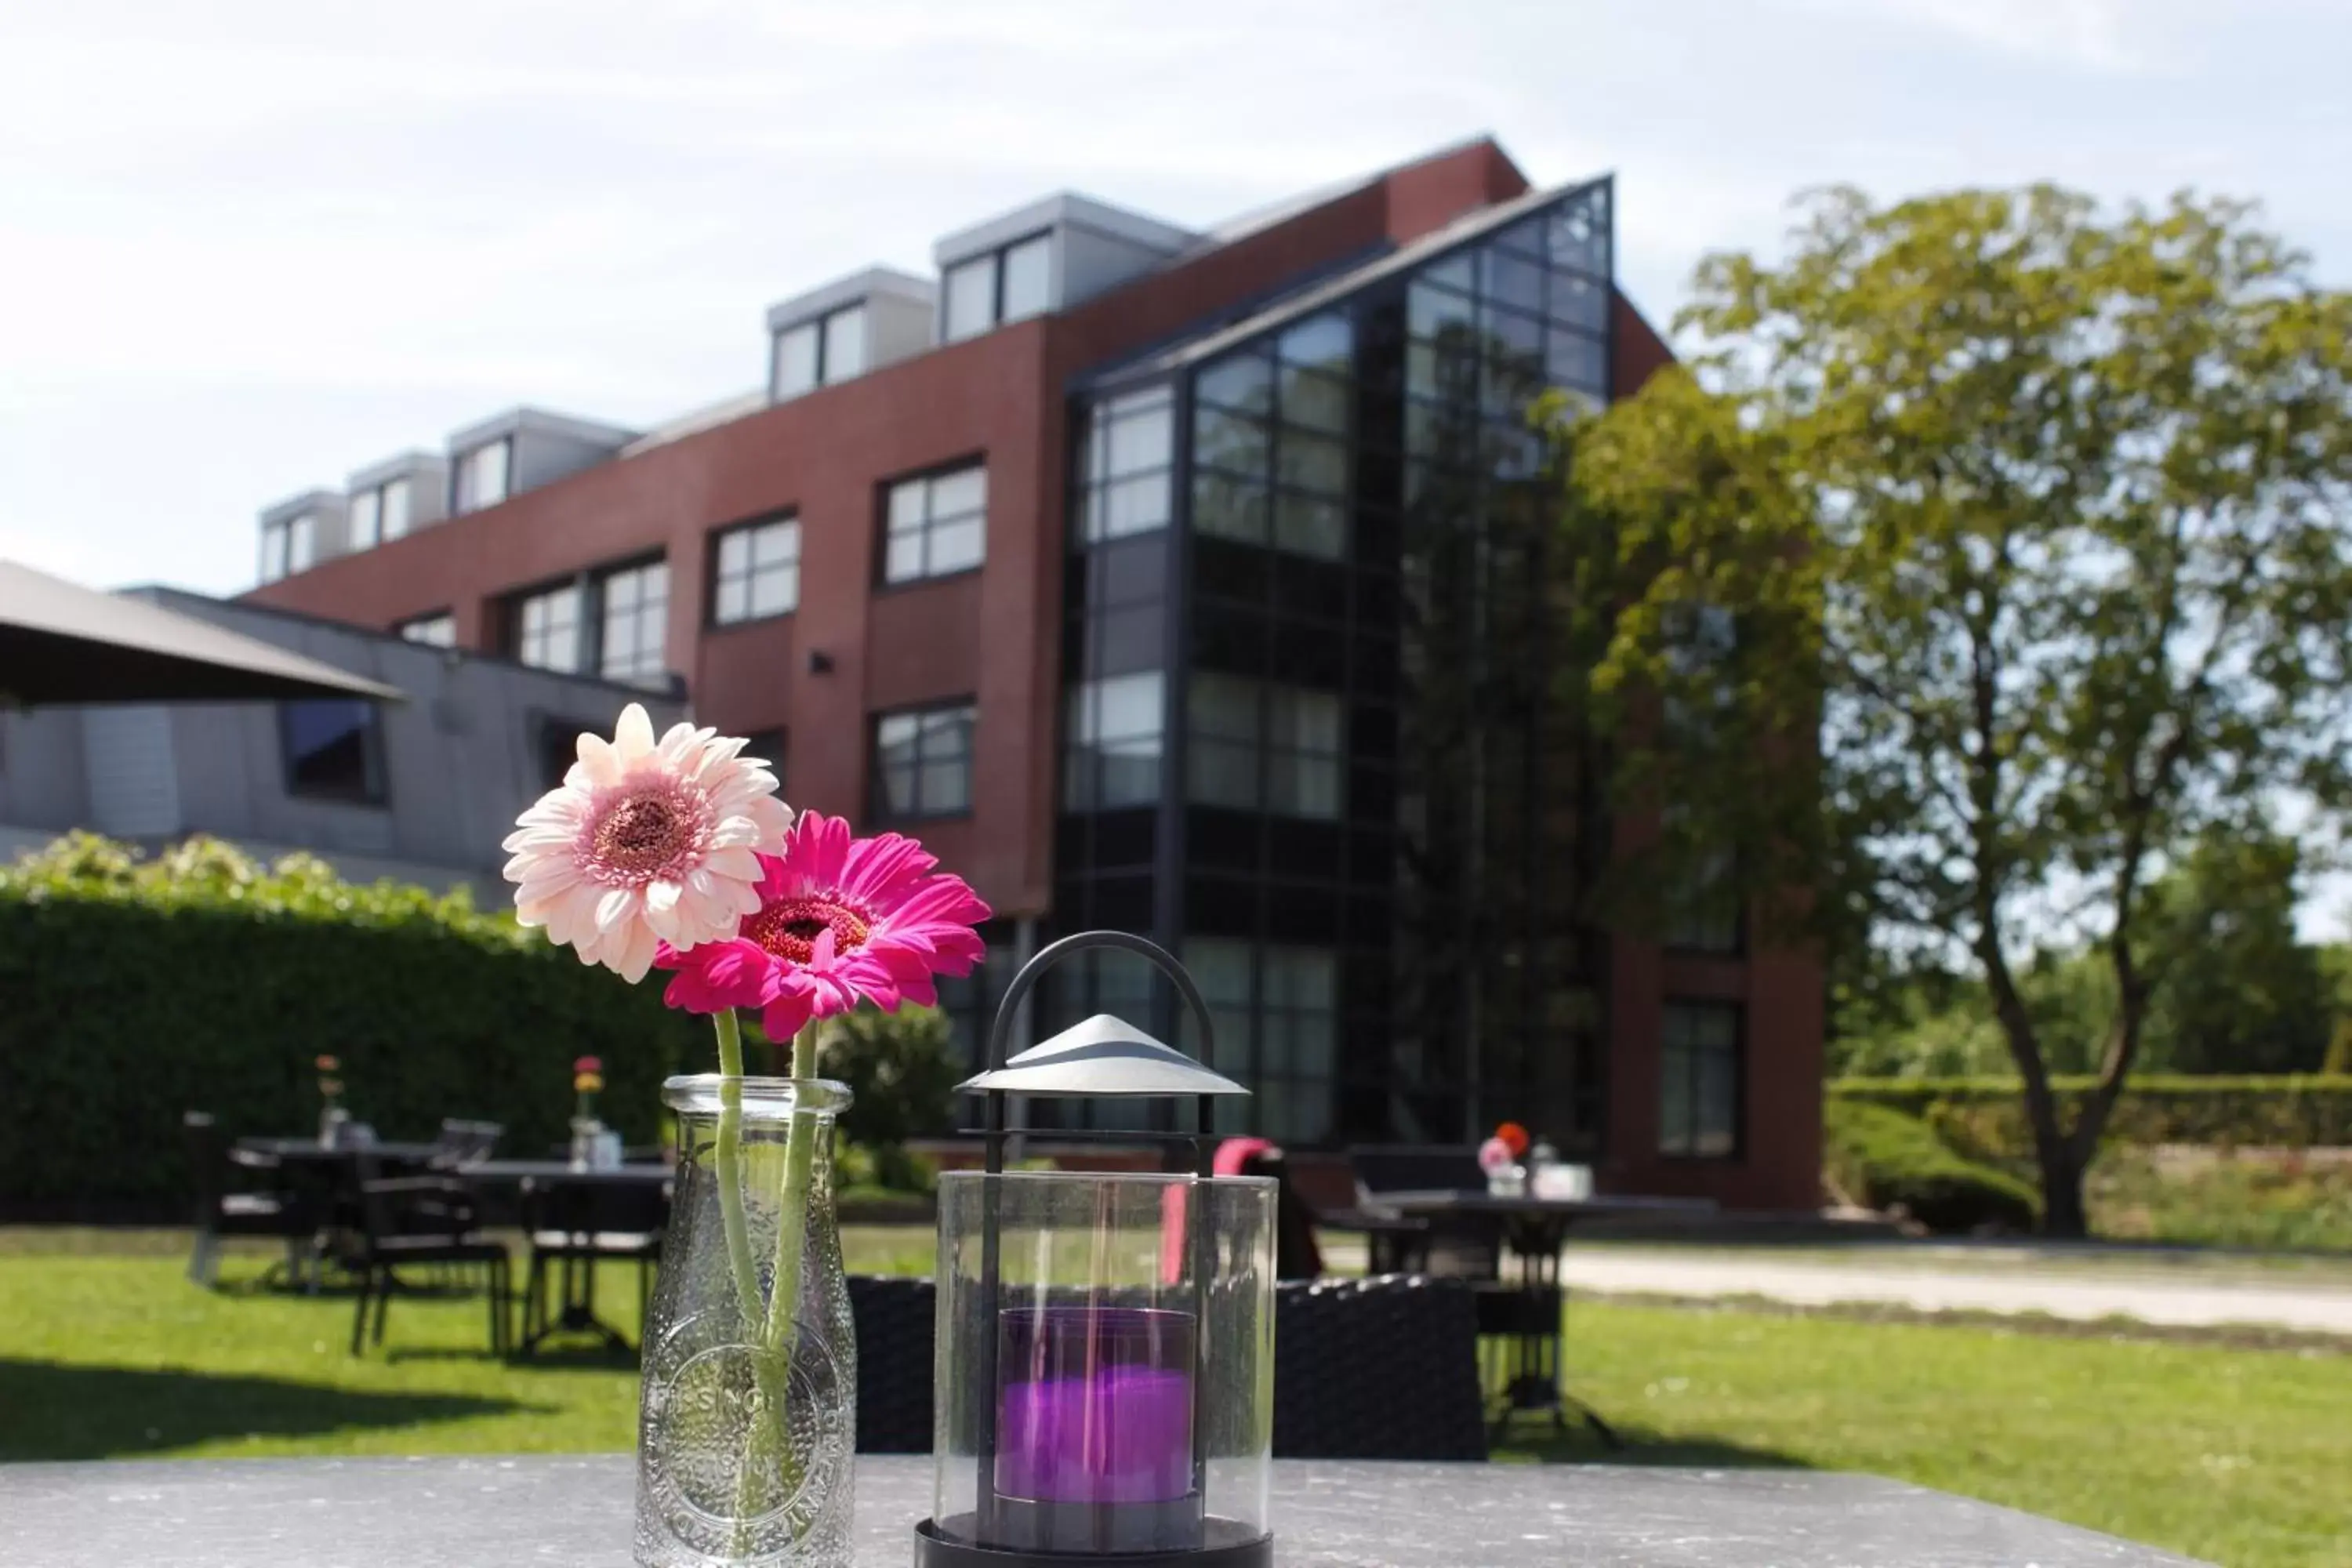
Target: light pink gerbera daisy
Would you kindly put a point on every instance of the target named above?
(839, 920)
(645, 843)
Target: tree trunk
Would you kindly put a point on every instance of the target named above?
(2063, 1212)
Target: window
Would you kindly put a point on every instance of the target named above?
(970, 298)
(285, 547)
(1699, 1058)
(395, 510)
(546, 628)
(1276, 1010)
(559, 746)
(935, 526)
(434, 631)
(758, 572)
(1256, 747)
(1123, 465)
(845, 345)
(1271, 426)
(1004, 285)
(334, 750)
(1115, 736)
(367, 519)
(1704, 910)
(819, 353)
(636, 603)
(797, 350)
(922, 763)
(1028, 278)
(482, 478)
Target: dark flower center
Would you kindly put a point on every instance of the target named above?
(640, 834)
(789, 928)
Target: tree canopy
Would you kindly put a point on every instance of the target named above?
(2035, 516)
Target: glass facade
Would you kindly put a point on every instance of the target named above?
(1309, 739)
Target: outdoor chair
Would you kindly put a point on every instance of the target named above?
(895, 1319)
(220, 1212)
(575, 1225)
(1383, 1368)
(412, 1222)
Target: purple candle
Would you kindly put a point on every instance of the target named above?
(1096, 1406)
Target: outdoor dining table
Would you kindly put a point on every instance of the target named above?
(521, 1182)
(1534, 1229)
(496, 1512)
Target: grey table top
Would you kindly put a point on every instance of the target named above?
(576, 1512)
(1449, 1200)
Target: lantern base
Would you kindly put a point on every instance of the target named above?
(1229, 1545)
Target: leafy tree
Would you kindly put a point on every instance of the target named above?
(900, 1071)
(2035, 517)
(2241, 994)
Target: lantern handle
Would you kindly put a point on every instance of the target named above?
(1053, 953)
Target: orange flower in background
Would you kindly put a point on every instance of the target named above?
(587, 1082)
(1513, 1137)
(327, 1064)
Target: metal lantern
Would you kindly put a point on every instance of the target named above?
(1105, 1373)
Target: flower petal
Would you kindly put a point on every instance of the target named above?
(632, 736)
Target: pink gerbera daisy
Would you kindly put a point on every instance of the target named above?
(647, 842)
(839, 920)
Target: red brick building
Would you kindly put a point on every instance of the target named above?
(1181, 583)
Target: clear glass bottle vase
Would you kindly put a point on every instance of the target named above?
(748, 1414)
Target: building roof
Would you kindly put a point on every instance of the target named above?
(849, 290)
(1303, 302)
(515, 420)
(1064, 210)
(396, 466)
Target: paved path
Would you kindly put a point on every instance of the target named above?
(1955, 1285)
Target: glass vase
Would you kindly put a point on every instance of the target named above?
(747, 1423)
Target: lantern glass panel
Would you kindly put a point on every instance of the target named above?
(1114, 1391)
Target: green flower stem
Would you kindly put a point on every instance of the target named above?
(792, 1235)
(729, 1155)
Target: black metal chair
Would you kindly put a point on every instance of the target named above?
(409, 1221)
(222, 1212)
(575, 1225)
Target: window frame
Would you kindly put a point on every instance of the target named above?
(1262, 749)
(597, 604)
(877, 797)
(928, 477)
(1683, 1144)
(369, 500)
(820, 328)
(459, 468)
(717, 578)
(994, 259)
(375, 786)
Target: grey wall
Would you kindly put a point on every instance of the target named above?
(462, 757)
(1092, 261)
(542, 457)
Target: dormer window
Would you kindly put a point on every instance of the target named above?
(999, 286)
(481, 476)
(819, 353)
(289, 544)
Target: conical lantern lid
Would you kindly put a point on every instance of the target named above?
(1102, 1055)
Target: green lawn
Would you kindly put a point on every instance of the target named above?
(2240, 1457)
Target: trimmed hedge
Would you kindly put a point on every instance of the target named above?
(132, 991)
(1985, 1117)
(1888, 1159)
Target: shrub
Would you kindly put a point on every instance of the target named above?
(1984, 1117)
(137, 989)
(1885, 1160)
(902, 1072)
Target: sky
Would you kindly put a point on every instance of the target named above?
(247, 248)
